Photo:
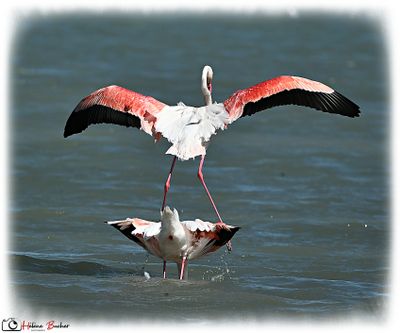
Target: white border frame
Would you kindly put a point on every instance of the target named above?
(386, 12)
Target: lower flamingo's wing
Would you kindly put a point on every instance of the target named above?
(115, 105)
(284, 90)
(142, 232)
(206, 237)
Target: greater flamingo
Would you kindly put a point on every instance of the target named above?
(189, 128)
(175, 240)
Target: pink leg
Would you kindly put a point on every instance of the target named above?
(200, 175)
(165, 270)
(168, 183)
(182, 268)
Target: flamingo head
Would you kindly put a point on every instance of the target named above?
(206, 84)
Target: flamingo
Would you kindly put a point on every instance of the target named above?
(189, 128)
(175, 240)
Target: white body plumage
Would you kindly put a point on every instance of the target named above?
(189, 129)
(172, 237)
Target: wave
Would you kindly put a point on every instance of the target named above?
(49, 266)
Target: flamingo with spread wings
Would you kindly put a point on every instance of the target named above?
(175, 240)
(189, 128)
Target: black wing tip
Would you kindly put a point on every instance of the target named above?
(76, 123)
(235, 229)
(126, 231)
(68, 132)
(69, 128)
(81, 119)
(128, 228)
(330, 102)
(346, 106)
(226, 235)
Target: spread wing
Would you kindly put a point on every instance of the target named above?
(142, 232)
(206, 237)
(285, 90)
(114, 105)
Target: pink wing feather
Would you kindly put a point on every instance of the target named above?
(114, 105)
(285, 90)
(141, 232)
(207, 237)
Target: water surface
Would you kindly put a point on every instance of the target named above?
(310, 190)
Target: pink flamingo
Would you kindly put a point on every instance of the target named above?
(175, 240)
(189, 128)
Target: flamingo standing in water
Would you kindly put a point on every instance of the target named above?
(189, 128)
(175, 240)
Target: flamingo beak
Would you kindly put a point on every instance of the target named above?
(209, 86)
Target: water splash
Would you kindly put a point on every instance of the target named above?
(220, 273)
(143, 269)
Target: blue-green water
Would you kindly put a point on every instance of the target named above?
(310, 190)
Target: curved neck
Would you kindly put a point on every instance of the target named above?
(208, 99)
(206, 79)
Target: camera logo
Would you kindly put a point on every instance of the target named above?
(10, 324)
